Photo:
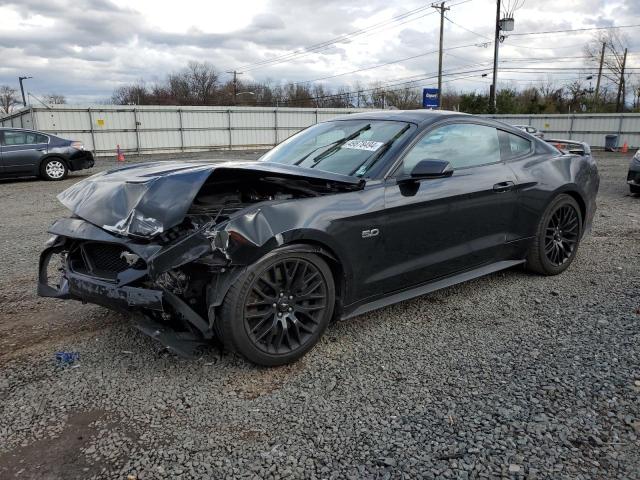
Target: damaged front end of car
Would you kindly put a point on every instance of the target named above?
(165, 241)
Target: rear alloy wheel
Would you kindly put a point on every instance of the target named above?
(558, 236)
(279, 308)
(54, 169)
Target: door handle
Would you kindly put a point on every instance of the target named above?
(40, 149)
(503, 186)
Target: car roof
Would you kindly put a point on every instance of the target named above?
(423, 118)
(22, 130)
(418, 117)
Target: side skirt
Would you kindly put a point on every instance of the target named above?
(431, 287)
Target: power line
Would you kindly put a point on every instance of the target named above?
(470, 31)
(341, 38)
(322, 46)
(570, 69)
(572, 30)
(392, 62)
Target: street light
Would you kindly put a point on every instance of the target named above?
(20, 79)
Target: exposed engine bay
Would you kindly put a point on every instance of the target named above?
(166, 254)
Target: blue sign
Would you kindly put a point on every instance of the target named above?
(430, 98)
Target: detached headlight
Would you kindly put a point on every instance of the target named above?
(144, 226)
(136, 225)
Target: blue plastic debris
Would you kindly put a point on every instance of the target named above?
(67, 358)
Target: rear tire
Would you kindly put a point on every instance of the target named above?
(279, 307)
(53, 169)
(557, 237)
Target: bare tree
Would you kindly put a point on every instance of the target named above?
(404, 98)
(8, 98)
(55, 99)
(636, 95)
(203, 81)
(134, 94)
(576, 92)
(613, 62)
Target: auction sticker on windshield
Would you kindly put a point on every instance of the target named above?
(368, 145)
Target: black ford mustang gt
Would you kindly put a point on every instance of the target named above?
(345, 217)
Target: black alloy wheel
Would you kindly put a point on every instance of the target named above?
(279, 308)
(561, 235)
(285, 306)
(557, 237)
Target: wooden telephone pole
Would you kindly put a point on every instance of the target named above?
(621, 85)
(442, 9)
(595, 98)
(235, 85)
(496, 44)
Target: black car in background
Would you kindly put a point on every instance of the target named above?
(342, 218)
(633, 177)
(25, 153)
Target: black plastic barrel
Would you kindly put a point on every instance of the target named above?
(610, 143)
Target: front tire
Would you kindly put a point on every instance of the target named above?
(557, 237)
(634, 189)
(279, 307)
(54, 169)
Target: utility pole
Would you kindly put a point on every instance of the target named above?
(442, 9)
(235, 85)
(595, 98)
(496, 43)
(621, 85)
(20, 79)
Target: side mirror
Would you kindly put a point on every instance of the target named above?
(429, 168)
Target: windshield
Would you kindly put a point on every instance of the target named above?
(348, 147)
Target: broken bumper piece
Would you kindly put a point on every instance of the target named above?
(150, 308)
(117, 298)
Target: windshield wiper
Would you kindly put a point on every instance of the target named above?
(340, 141)
(367, 164)
(336, 145)
(302, 159)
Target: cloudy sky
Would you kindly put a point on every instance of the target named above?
(83, 49)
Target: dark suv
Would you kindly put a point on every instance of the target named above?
(29, 153)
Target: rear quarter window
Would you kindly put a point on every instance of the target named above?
(514, 146)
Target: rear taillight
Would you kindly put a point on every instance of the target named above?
(78, 145)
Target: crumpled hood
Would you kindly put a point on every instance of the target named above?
(147, 199)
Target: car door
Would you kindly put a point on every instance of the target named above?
(22, 151)
(437, 227)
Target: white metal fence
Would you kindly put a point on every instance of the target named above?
(157, 129)
(590, 128)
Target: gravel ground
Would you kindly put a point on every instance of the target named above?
(512, 375)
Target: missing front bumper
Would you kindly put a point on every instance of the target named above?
(147, 307)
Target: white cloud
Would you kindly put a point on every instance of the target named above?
(84, 49)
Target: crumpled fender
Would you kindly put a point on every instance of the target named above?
(246, 238)
(122, 201)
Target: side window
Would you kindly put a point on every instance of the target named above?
(461, 144)
(23, 138)
(15, 138)
(514, 146)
